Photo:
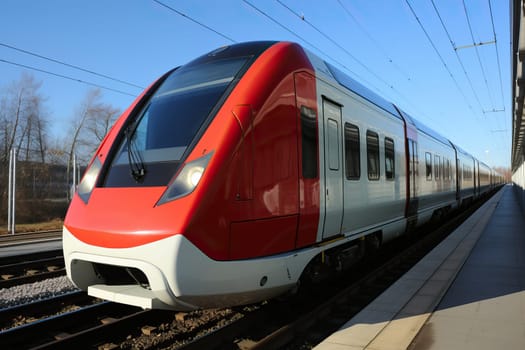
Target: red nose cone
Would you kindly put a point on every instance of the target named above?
(121, 217)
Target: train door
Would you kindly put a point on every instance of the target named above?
(412, 205)
(476, 178)
(459, 180)
(332, 169)
(413, 172)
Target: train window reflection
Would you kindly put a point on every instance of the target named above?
(372, 150)
(309, 142)
(428, 163)
(437, 160)
(389, 158)
(353, 152)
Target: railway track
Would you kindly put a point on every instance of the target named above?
(28, 268)
(29, 237)
(91, 323)
(70, 329)
(299, 322)
(18, 315)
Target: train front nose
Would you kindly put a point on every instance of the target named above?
(123, 217)
(119, 246)
(142, 276)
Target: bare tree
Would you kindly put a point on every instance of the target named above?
(23, 125)
(23, 119)
(100, 123)
(91, 123)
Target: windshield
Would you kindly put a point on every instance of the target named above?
(158, 138)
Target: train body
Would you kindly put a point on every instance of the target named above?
(252, 167)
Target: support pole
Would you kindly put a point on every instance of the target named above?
(11, 193)
(74, 182)
(13, 206)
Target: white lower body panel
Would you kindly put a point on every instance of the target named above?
(180, 276)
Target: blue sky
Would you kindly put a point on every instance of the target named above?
(403, 50)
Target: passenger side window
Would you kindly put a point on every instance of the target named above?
(436, 166)
(428, 162)
(389, 159)
(309, 142)
(353, 152)
(372, 150)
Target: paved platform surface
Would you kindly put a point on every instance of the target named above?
(468, 293)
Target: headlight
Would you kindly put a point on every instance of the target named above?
(89, 180)
(186, 180)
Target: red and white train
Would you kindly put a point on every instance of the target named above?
(248, 169)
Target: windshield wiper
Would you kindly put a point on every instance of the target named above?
(136, 163)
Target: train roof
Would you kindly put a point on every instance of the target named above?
(461, 150)
(356, 87)
(321, 66)
(425, 129)
(346, 81)
(361, 90)
(250, 48)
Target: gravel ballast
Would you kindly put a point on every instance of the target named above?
(26, 293)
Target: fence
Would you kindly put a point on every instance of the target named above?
(35, 191)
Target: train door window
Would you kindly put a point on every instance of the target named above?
(372, 150)
(436, 166)
(458, 171)
(465, 172)
(309, 142)
(389, 159)
(414, 167)
(353, 152)
(428, 163)
(416, 160)
(333, 144)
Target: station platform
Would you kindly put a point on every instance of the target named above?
(467, 293)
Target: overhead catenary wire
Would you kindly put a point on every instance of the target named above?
(457, 55)
(489, 90)
(386, 54)
(365, 66)
(303, 40)
(477, 53)
(439, 55)
(180, 13)
(66, 77)
(374, 41)
(27, 52)
(327, 37)
(282, 26)
(462, 64)
(195, 21)
(497, 54)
